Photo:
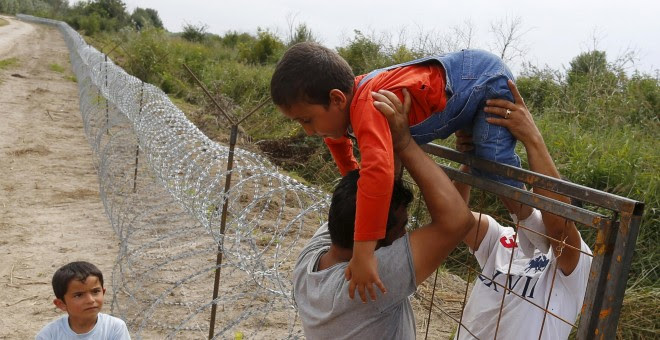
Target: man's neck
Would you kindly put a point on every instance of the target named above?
(82, 326)
(334, 255)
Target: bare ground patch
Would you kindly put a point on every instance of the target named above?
(50, 211)
(38, 150)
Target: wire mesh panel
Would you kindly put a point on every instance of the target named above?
(609, 224)
(161, 183)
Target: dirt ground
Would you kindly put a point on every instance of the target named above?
(50, 210)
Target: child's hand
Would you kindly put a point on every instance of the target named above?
(362, 271)
(397, 115)
(464, 141)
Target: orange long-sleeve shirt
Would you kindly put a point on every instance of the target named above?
(426, 84)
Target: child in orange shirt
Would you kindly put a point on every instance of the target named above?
(314, 86)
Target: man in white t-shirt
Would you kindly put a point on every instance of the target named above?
(524, 290)
(554, 279)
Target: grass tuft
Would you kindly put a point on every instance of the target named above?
(56, 68)
(6, 63)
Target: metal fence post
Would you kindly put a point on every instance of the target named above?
(107, 108)
(223, 223)
(137, 145)
(609, 275)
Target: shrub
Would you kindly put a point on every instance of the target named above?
(267, 48)
(540, 88)
(363, 54)
(145, 17)
(194, 33)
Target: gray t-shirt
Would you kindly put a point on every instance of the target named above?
(327, 312)
(107, 327)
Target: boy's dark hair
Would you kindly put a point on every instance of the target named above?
(341, 218)
(306, 73)
(79, 270)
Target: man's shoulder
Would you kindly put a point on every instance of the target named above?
(319, 242)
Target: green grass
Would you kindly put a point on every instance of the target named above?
(56, 68)
(3, 22)
(6, 63)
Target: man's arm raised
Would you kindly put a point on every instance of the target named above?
(450, 217)
(521, 124)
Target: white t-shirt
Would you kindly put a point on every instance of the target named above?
(107, 328)
(529, 277)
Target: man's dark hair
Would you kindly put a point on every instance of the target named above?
(306, 73)
(79, 270)
(341, 218)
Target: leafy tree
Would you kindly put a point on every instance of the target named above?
(110, 9)
(302, 33)
(401, 54)
(594, 86)
(194, 33)
(59, 7)
(91, 24)
(266, 49)
(363, 54)
(541, 88)
(643, 91)
(145, 17)
(110, 15)
(155, 18)
(9, 6)
(33, 7)
(587, 64)
(233, 39)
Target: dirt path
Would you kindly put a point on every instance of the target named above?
(50, 210)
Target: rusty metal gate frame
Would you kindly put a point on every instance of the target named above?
(615, 239)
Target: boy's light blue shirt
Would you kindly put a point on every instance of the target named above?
(107, 328)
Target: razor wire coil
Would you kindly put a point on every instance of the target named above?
(168, 227)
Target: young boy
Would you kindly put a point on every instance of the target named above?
(79, 291)
(316, 87)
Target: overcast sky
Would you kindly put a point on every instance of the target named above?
(556, 30)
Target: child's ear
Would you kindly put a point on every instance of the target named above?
(103, 291)
(337, 97)
(60, 304)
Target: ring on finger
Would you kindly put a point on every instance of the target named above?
(508, 113)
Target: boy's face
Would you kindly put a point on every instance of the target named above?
(83, 299)
(321, 121)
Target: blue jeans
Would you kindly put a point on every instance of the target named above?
(473, 76)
